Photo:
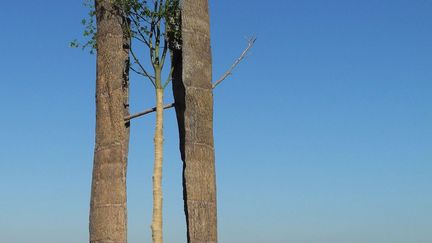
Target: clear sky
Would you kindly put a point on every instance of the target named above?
(323, 134)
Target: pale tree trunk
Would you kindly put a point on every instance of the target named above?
(108, 216)
(194, 107)
(157, 170)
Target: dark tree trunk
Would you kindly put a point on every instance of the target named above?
(108, 216)
(194, 107)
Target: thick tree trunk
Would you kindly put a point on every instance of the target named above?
(108, 216)
(194, 107)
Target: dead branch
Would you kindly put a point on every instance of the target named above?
(251, 42)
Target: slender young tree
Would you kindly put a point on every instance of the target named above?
(108, 217)
(155, 26)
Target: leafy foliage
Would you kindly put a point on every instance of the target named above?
(156, 24)
(145, 20)
(89, 32)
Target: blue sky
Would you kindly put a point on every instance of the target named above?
(323, 134)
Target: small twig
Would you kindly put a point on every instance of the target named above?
(142, 68)
(143, 38)
(251, 42)
(169, 77)
(128, 118)
(137, 72)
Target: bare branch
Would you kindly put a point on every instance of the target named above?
(140, 16)
(139, 39)
(169, 78)
(251, 42)
(164, 52)
(143, 38)
(128, 118)
(144, 72)
(137, 72)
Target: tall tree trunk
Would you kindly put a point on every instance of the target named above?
(194, 107)
(108, 216)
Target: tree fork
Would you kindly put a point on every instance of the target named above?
(251, 42)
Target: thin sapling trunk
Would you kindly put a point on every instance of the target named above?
(158, 163)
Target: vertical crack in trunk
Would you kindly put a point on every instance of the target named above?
(193, 96)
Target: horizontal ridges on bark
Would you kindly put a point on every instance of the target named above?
(200, 228)
(194, 108)
(199, 172)
(197, 70)
(108, 175)
(199, 113)
(108, 215)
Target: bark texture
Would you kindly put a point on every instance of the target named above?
(108, 216)
(194, 107)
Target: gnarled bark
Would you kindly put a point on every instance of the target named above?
(194, 108)
(108, 216)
